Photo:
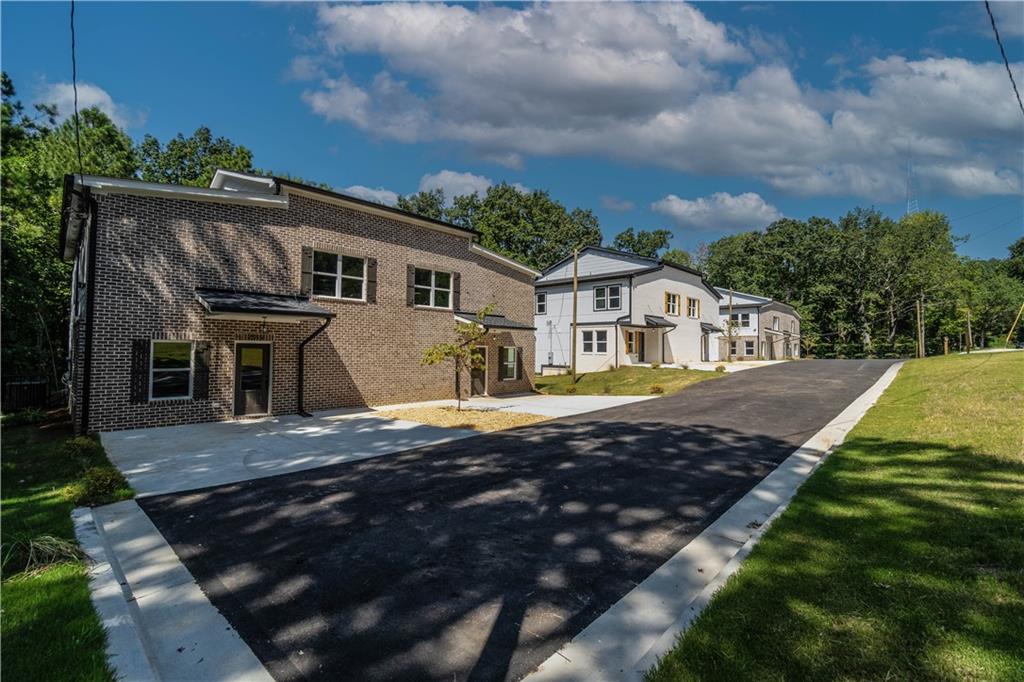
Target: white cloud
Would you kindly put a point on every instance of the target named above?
(455, 184)
(616, 204)
(645, 83)
(719, 212)
(89, 95)
(378, 194)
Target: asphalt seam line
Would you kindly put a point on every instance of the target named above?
(630, 637)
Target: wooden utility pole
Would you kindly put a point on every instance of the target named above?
(1014, 325)
(728, 350)
(575, 293)
(970, 339)
(945, 345)
(920, 327)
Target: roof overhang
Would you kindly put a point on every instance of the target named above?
(706, 327)
(490, 321)
(102, 185)
(225, 304)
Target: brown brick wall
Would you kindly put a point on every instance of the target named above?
(152, 253)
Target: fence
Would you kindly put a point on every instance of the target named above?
(21, 392)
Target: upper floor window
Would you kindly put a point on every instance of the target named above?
(339, 276)
(608, 297)
(671, 303)
(741, 319)
(775, 322)
(692, 307)
(432, 288)
(170, 374)
(595, 341)
(541, 304)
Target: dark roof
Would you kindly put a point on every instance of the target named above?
(655, 321)
(493, 321)
(705, 327)
(255, 303)
(372, 204)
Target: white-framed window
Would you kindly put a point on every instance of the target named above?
(732, 348)
(432, 288)
(595, 341)
(741, 319)
(671, 303)
(170, 370)
(692, 307)
(748, 347)
(630, 342)
(608, 297)
(339, 276)
(775, 322)
(508, 363)
(541, 303)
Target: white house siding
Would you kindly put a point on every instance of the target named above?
(595, 263)
(553, 326)
(683, 343)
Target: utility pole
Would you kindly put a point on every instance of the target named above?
(970, 339)
(945, 345)
(728, 350)
(919, 304)
(1014, 325)
(575, 293)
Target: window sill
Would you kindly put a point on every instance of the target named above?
(338, 299)
(431, 307)
(172, 399)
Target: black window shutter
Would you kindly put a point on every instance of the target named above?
(502, 373)
(371, 280)
(456, 291)
(201, 380)
(307, 271)
(519, 362)
(139, 377)
(410, 280)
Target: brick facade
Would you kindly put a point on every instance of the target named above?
(153, 252)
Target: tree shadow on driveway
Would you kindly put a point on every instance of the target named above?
(469, 560)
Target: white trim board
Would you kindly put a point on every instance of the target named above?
(629, 638)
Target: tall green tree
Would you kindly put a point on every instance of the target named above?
(679, 257)
(642, 242)
(191, 160)
(429, 204)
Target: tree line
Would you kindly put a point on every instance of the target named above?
(853, 281)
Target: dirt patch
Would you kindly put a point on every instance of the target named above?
(478, 420)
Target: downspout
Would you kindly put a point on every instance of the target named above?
(90, 306)
(302, 363)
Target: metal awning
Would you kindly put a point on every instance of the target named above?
(490, 321)
(709, 328)
(650, 322)
(226, 304)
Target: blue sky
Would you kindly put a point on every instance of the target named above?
(705, 119)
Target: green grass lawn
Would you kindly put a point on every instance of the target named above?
(49, 630)
(625, 381)
(901, 558)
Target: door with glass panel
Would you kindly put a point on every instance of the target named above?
(252, 378)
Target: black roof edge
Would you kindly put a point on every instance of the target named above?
(372, 204)
(229, 290)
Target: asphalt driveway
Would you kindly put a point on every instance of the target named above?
(477, 559)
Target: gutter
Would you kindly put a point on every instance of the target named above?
(302, 363)
(90, 305)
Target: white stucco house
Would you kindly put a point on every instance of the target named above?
(762, 328)
(630, 310)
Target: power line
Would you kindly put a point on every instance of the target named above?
(1006, 61)
(74, 87)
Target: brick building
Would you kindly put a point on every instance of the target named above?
(202, 304)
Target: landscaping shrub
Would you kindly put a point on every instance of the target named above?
(99, 485)
(684, 366)
(85, 452)
(720, 368)
(570, 389)
(27, 555)
(607, 389)
(657, 390)
(30, 415)
(655, 365)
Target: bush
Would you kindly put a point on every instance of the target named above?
(684, 366)
(570, 389)
(720, 368)
(657, 390)
(31, 415)
(607, 389)
(100, 485)
(655, 365)
(84, 451)
(37, 553)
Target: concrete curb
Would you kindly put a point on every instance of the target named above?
(630, 637)
(160, 625)
(126, 652)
